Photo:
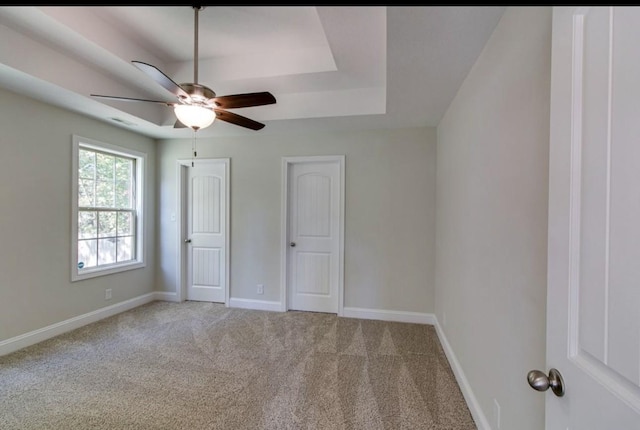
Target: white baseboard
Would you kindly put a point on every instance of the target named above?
(261, 305)
(165, 296)
(385, 315)
(474, 406)
(15, 343)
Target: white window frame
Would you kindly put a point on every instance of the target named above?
(79, 142)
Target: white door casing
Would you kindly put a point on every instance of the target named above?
(204, 230)
(313, 231)
(593, 297)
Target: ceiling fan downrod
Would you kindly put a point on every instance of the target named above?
(195, 43)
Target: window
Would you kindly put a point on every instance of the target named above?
(107, 209)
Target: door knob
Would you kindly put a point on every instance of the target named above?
(541, 382)
(292, 244)
(187, 241)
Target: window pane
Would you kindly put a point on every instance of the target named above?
(125, 223)
(125, 248)
(106, 251)
(106, 212)
(86, 164)
(87, 225)
(87, 253)
(104, 194)
(105, 164)
(123, 196)
(86, 193)
(106, 224)
(124, 167)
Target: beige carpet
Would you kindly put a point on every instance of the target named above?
(203, 366)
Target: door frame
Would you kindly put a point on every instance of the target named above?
(287, 162)
(182, 188)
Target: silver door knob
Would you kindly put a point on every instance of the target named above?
(187, 241)
(541, 382)
(292, 244)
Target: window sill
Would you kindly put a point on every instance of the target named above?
(103, 271)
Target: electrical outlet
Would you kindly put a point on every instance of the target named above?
(260, 289)
(107, 294)
(496, 414)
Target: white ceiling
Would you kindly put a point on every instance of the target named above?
(329, 67)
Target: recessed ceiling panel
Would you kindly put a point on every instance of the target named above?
(233, 42)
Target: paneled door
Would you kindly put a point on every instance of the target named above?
(206, 231)
(593, 306)
(314, 230)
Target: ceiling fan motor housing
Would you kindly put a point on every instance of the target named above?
(199, 94)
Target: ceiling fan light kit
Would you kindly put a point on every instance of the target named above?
(195, 117)
(197, 106)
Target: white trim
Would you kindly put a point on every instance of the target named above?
(141, 172)
(284, 219)
(260, 305)
(22, 341)
(181, 199)
(284, 222)
(472, 402)
(386, 315)
(341, 246)
(166, 296)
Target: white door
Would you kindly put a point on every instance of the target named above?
(314, 215)
(207, 231)
(593, 307)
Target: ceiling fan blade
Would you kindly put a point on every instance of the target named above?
(131, 99)
(244, 100)
(155, 74)
(236, 119)
(178, 124)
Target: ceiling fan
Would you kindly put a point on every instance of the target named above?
(197, 106)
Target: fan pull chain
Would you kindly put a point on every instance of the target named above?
(194, 152)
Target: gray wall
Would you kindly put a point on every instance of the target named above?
(390, 212)
(492, 188)
(35, 232)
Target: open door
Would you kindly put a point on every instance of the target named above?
(204, 230)
(593, 300)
